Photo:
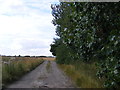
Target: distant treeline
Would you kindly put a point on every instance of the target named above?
(27, 56)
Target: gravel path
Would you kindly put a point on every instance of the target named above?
(47, 75)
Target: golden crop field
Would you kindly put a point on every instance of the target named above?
(48, 58)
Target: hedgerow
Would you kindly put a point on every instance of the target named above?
(91, 32)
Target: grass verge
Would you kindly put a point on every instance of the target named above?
(83, 75)
(16, 69)
(48, 66)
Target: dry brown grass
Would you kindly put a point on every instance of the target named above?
(84, 76)
(17, 68)
(4, 58)
(48, 58)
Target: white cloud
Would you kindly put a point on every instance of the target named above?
(25, 27)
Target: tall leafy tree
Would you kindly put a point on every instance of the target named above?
(91, 31)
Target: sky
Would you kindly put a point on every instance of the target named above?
(25, 27)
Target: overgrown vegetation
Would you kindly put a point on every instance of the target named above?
(83, 75)
(89, 32)
(14, 70)
(4, 58)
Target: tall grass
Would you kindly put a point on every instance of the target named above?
(16, 69)
(4, 58)
(83, 75)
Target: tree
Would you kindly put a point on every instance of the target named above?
(54, 46)
(91, 31)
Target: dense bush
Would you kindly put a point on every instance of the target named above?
(91, 31)
(63, 54)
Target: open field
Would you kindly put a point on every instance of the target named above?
(12, 58)
(48, 58)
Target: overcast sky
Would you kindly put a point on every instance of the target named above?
(25, 27)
